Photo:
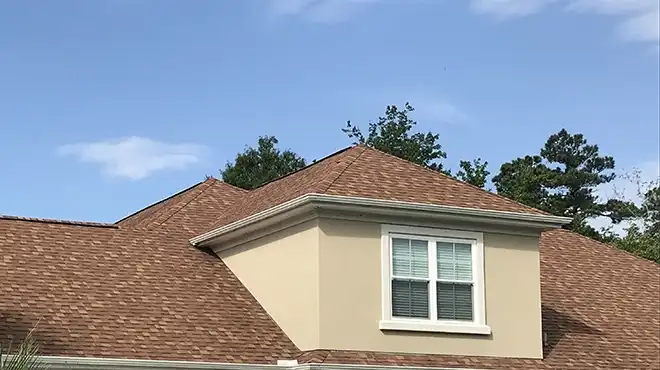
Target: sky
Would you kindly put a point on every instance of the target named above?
(107, 106)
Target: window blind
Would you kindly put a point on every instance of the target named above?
(410, 278)
(455, 286)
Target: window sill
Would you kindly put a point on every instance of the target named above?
(436, 327)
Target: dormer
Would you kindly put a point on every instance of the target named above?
(378, 254)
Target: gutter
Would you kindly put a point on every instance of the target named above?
(92, 363)
(389, 207)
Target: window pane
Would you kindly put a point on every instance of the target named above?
(400, 257)
(454, 261)
(419, 249)
(410, 298)
(463, 298)
(454, 301)
(463, 256)
(410, 258)
(445, 261)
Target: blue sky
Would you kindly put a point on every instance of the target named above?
(109, 105)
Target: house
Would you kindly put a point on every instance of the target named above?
(359, 261)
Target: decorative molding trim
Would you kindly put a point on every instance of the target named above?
(313, 202)
(400, 325)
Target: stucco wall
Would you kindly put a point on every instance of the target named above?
(350, 296)
(281, 272)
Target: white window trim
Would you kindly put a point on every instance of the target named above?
(477, 326)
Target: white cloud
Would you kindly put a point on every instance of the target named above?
(135, 157)
(322, 11)
(630, 185)
(509, 8)
(437, 109)
(639, 18)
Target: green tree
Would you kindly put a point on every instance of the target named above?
(257, 166)
(651, 210)
(640, 242)
(393, 134)
(562, 180)
(642, 236)
(475, 172)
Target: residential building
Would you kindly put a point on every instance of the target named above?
(360, 260)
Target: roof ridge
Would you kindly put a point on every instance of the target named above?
(60, 222)
(159, 223)
(161, 201)
(314, 163)
(324, 354)
(454, 179)
(344, 169)
(327, 352)
(607, 245)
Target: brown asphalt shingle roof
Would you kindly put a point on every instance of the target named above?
(138, 289)
(183, 208)
(108, 292)
(360, 171)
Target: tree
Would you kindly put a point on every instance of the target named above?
(392, 134)
(475, 172)
(642, 236)
(640, 242)
(562, 180)
(651, 210)
(257, 166)
(524, 180)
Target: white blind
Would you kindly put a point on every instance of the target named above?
(410, 258)
(410, 278)
(455, 286)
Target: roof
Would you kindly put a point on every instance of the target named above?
(194, 208)
(138, 289)
(115, 292)
(360, 171)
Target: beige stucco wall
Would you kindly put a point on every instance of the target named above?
(281, 272)
(350, 296)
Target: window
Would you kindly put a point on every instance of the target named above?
(432, 280)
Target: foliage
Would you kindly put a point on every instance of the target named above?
(642, 236)
(640, 242)
(475, 172)
(651, 210)
(257, 166)
(392, 134)
(562, 180)
(24, 357)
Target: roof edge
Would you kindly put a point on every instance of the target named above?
(152, 205)
(95, 363)
(60, 222)
(395, 208)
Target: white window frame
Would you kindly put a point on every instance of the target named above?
(478, 325)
